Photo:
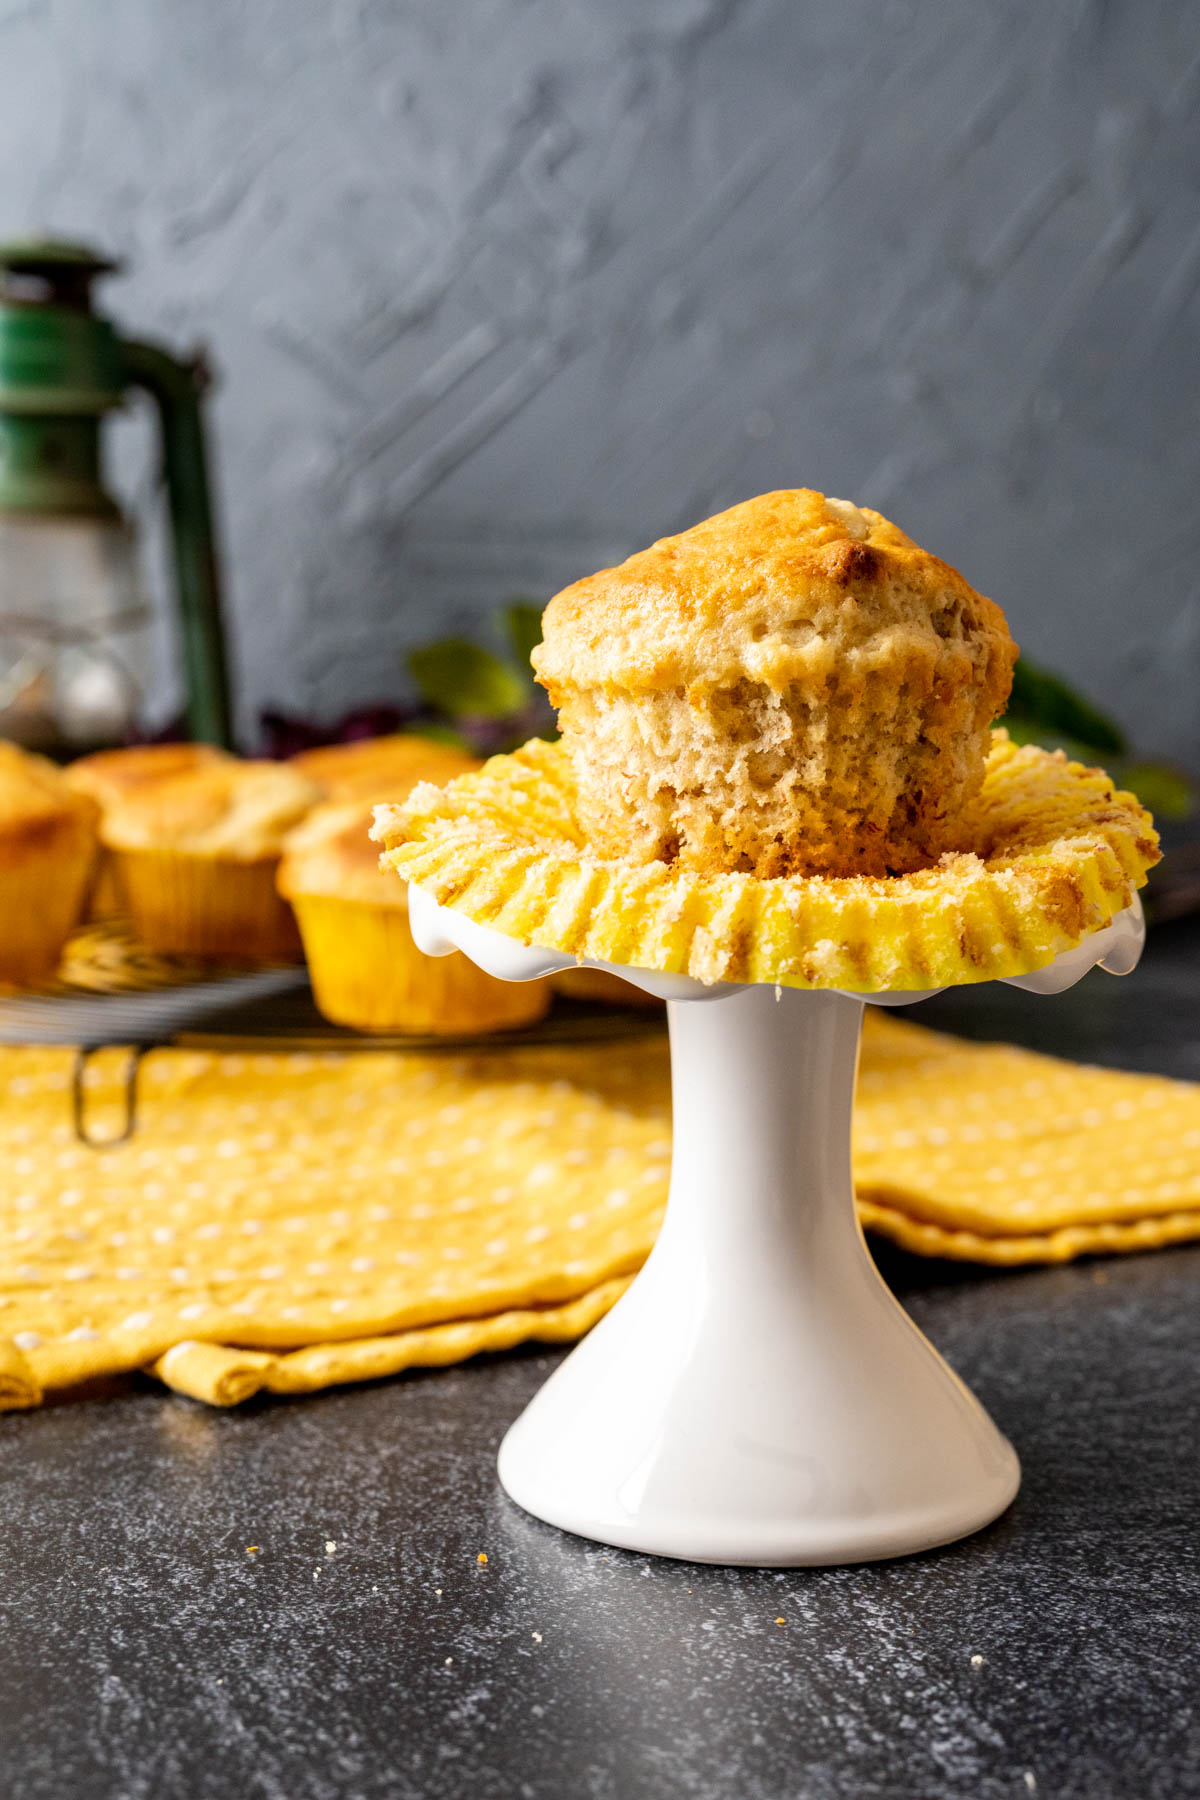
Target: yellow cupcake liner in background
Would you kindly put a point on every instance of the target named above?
(188, 904)
(42, 894)
(286, 1222)
(105, 900)
(367, 973)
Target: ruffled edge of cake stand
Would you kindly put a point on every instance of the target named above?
(1058, 851)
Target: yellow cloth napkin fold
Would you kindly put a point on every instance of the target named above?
(285, 1222)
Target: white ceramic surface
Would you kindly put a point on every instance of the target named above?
(758, 1396)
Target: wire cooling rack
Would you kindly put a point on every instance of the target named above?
(111, 991)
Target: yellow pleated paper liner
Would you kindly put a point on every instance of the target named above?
(1056, 853)
(287, 1221)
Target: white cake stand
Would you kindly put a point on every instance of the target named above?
(758, 1396)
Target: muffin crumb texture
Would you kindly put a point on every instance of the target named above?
(791, 688)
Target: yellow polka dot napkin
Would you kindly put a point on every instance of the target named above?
(992, 1154)
(285, 1222)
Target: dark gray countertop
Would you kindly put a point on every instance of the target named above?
(144, 1653)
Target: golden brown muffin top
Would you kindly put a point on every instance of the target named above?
(383, 768)
(109, 775)
(34, 797)
(330, 854)
(784, 587)
(227, 808)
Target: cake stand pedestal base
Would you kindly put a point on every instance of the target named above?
(758, 1396)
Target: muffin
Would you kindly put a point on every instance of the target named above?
(366, 971)
(382, 768)
(791, 688)
(47, 847)
(599, 987)
(109, 775)
(196, 856)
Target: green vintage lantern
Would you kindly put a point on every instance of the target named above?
(76, 633)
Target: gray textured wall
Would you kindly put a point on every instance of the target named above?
(500, 289)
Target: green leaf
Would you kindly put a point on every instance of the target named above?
(464, 680)
(1168, 793)
(1021, 731)
(523, 624)
(1043, 708)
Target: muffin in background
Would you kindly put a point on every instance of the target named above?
(791, 688)
(195, 857)
(600, 988)
(382, 768)
(47, 848)
(366, 970)
(109, 775)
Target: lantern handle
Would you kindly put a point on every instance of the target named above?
(177, 387)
